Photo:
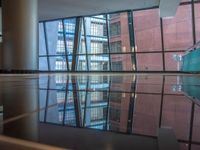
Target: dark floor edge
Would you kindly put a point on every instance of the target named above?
(37, 71)
(18, 71)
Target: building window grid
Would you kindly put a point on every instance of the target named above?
(116, 47)
(96, 47)
(177, 51)
(115, 29)
(71, 27)
(61, 64)
(60, 47)
(60, 26)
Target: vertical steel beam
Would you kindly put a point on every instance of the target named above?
(77, 38)
(46, 45)
(191, 125)
(162, 101)
(86, 42)
(162, 43)
(76, 102)
(86, 98)
(132, 39)
(193, 23)
(47, 99)
(108, 37)
(108, 105)
(131, 106)
(65, 102)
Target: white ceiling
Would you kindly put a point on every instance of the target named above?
(53, 9)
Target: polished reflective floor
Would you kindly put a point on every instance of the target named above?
(101, 111)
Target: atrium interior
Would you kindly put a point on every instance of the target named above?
(98, 75)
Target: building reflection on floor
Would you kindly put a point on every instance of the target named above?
(128, 104)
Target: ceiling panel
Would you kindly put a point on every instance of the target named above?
(53, 9)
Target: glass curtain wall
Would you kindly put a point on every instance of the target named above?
(125, 41)
(56, 40)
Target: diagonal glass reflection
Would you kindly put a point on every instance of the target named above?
(131, 104)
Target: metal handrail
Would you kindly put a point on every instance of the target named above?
(192, 48)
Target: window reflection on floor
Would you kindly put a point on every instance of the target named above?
(127, 104)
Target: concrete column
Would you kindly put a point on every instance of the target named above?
(0, 38)
(20, 35)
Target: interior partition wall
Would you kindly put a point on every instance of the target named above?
(129, 41)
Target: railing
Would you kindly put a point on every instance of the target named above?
(192, 48)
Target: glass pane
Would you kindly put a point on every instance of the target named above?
(43, 65)
(119, 33)
(52, 36)
(96, 32)
(197, 21)
(70, 33)
(98, 62)
(173, 61)
(121, 62)
(42, 44)
(149, 62)
(176, 29)
(147, 30)
(82, 46)
(60, 49)
(58, 63)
